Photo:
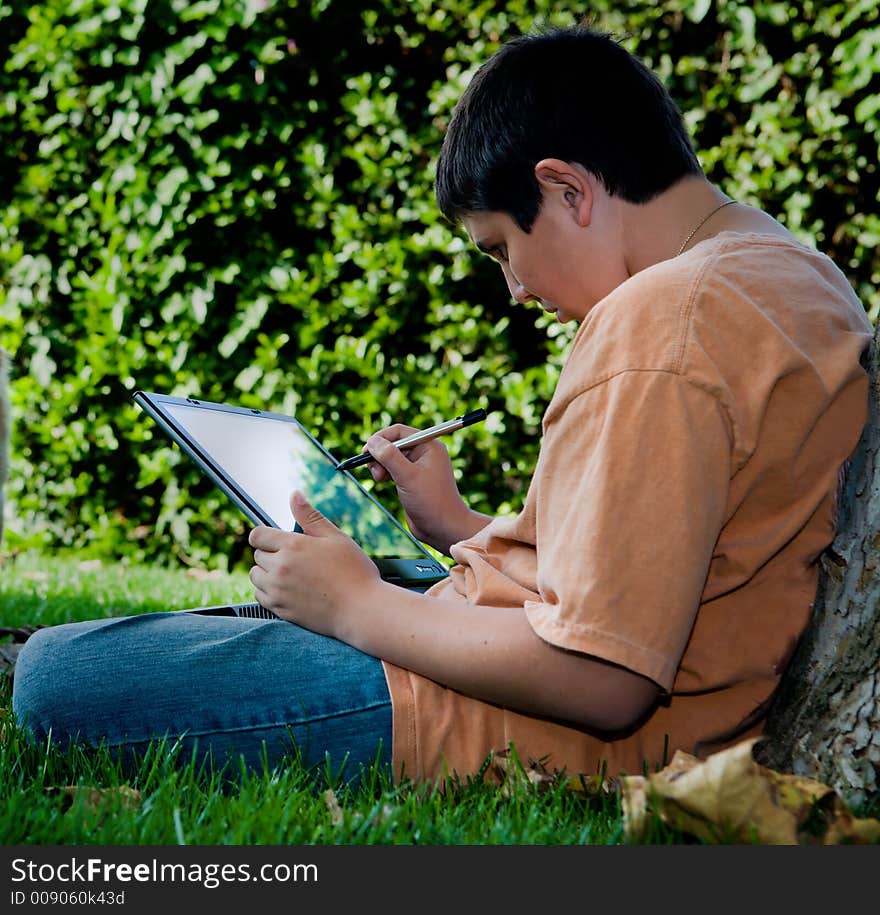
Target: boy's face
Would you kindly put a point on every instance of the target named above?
(554, 265)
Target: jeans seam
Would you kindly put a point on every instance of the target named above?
(246, 728)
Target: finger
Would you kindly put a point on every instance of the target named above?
(378, 472)
(263, 558)
(396, 432)
(259, 579)
(266, 538)
(395, 462)
(263, 599)
(392, 434)
(309, 518)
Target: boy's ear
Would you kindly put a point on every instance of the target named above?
(569, 183)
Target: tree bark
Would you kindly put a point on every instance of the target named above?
(825, 719)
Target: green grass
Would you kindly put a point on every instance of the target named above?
(176, 803)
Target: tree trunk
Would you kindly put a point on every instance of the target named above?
(825, 720)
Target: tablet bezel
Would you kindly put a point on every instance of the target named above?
(418, 571)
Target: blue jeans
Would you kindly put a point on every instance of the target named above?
(229, 688)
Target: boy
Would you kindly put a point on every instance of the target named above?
(650, 592)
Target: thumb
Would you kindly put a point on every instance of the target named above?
(309, 518)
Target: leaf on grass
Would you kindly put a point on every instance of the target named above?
(729, 797)
(205, 574)
(140, 532)
(90, 565)
(18, 633)
(594, 785)
(9, 650)
(98, 798)
(94, 804)
(513, 775)
(337, 817)
(8, 657)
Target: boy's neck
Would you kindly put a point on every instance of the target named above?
(655, 231)
(682, 216)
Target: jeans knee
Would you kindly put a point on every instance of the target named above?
(38, 680)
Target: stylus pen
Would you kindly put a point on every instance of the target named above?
(466, 419)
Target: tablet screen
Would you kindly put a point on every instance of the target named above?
(268, 457)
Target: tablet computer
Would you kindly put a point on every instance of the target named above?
(258, 458)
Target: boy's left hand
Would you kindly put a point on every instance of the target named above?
(310, 578)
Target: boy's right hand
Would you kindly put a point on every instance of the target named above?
(435, 512)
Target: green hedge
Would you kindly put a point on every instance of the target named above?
(233, 200)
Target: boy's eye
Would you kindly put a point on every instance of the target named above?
(500, 253)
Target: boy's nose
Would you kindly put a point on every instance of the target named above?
(521, 294)
(515, 287)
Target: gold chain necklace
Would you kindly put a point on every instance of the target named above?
(703, 222)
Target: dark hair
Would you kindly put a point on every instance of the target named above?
(570, 93)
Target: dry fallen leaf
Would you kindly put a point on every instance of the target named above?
(9, 649)
(336, 815)
(140, 532)
(512, 774)
(95, 798)
(91, 804)
(205, 574)
(34, 575)
(730, 798)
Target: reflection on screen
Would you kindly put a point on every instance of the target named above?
(268, 458)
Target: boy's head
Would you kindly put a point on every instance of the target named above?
(574, 94)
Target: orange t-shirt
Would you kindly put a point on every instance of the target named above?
(685, 488)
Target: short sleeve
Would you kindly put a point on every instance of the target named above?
(632, 491)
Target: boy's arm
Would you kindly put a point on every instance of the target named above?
(326, 583)
(492, 653)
